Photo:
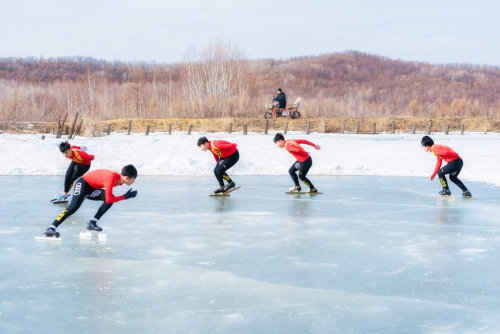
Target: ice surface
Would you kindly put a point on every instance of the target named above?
(370, 255)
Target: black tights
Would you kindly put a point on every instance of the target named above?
(223, 165)
(83, 190)
(303, 167)
(75, 170)
(453, 168)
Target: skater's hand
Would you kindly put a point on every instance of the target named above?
(317, 147)
(130, 193)
(432, 177)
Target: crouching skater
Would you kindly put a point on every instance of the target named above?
(96, 186)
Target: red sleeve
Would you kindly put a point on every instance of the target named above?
(85, 156)
(77, 147)
(438, 165)
(110, 198)
(303, 141)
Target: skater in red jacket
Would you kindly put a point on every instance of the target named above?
(80, 164)
(453, 166)
(97, 186)
(303, 163)
(225, 155)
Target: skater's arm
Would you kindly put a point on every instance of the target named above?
(108, 191)
(307, 142)
(85, 156)
(438, 165)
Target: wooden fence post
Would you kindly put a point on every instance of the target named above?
(463, 128)
(62, 126)
(170, 129)
(129, 127)
(109, 129)
(324, 128)
(393, 127)
(414, 128)
(374, 128)
(308, 127)
(343, 128)
(58, 126)
(357, 127)
(189, 129)
(286, 127)
(78, 129)
(70, 134)
(147, 130)
(429, 128)
(485, 129)
(447, 129)
(244, 129)
(267, 126)
(230, 128)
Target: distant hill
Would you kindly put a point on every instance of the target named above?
(349, 84)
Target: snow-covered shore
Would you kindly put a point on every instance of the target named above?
(177, 154)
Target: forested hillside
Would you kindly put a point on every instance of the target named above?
(220, 83)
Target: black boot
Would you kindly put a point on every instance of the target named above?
(466, 194)
(51, 232)
(219, 190)
(92, 226)
(445, 192)
(230, 185)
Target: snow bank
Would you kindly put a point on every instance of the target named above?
(177, 154)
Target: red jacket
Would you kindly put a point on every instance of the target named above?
(107, 179)
(296, 150)
(222, 149)
(79, 156)
(443, 152)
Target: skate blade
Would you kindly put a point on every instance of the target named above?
(93, 234)
(447, 197)
(303, 192)
(225, 193)
(46, 238)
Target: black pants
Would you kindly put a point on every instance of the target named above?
(303, 167)
(75, 170)
(223, 165)
(83, 190)
(453, 168)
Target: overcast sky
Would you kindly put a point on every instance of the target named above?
(435, 31)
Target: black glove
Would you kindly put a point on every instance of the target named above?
(130, 193)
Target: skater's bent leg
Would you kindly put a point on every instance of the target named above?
(303, 170)
(69, 177)
(293, 173)
(227, 178)
(442, 178)
(305, 180)
(102, 210)
(219, 172)
(74, 205)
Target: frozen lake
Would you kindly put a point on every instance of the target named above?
(370, 255)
